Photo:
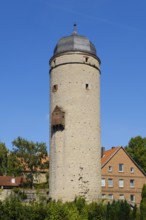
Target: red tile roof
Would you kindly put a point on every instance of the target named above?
(107, 155)
(11, 181)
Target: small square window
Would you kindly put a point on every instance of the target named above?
(110, 182)
(121, 167)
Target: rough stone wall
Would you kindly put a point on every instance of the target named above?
(32, 195)
(4, 193)
(75, 168)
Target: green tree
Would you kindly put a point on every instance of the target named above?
(3, 158)
(119, 210)
(96, 211)
(31, 155)
(143, 203)
(14, 166)
(137, 150)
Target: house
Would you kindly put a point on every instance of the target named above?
(9, 182)
(122, 178)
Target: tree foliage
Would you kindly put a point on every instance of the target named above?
(14, 166)
(3, 159)
(31, 155)
(9, 163)
(118, 211)
(137, 150)
(12, 208)
(143, 203)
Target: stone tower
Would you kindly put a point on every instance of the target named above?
(75, 168)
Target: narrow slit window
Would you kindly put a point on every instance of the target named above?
(55, 88)
(87, 86)
(86, 59)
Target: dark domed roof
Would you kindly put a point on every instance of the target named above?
(74, 43)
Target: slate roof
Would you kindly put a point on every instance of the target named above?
(74, 43)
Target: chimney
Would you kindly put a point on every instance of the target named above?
(102, 151)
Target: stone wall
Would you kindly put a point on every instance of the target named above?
(75, 168)
(31, 195)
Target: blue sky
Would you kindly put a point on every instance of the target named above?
(29, 31)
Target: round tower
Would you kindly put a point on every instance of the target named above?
(75, 166)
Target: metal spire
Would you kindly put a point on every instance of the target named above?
(75, 28)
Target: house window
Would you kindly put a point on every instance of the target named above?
(131, 183)
(132, 169)
(121, 167)
(110, 182)
(132, 198)
(110, 168)
(121, 197)
(121, 183)
(110, 196)
(103, 196)
(102, 182)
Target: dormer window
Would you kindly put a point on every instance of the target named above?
(13, 180)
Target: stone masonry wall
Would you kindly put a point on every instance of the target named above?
(75, 168)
